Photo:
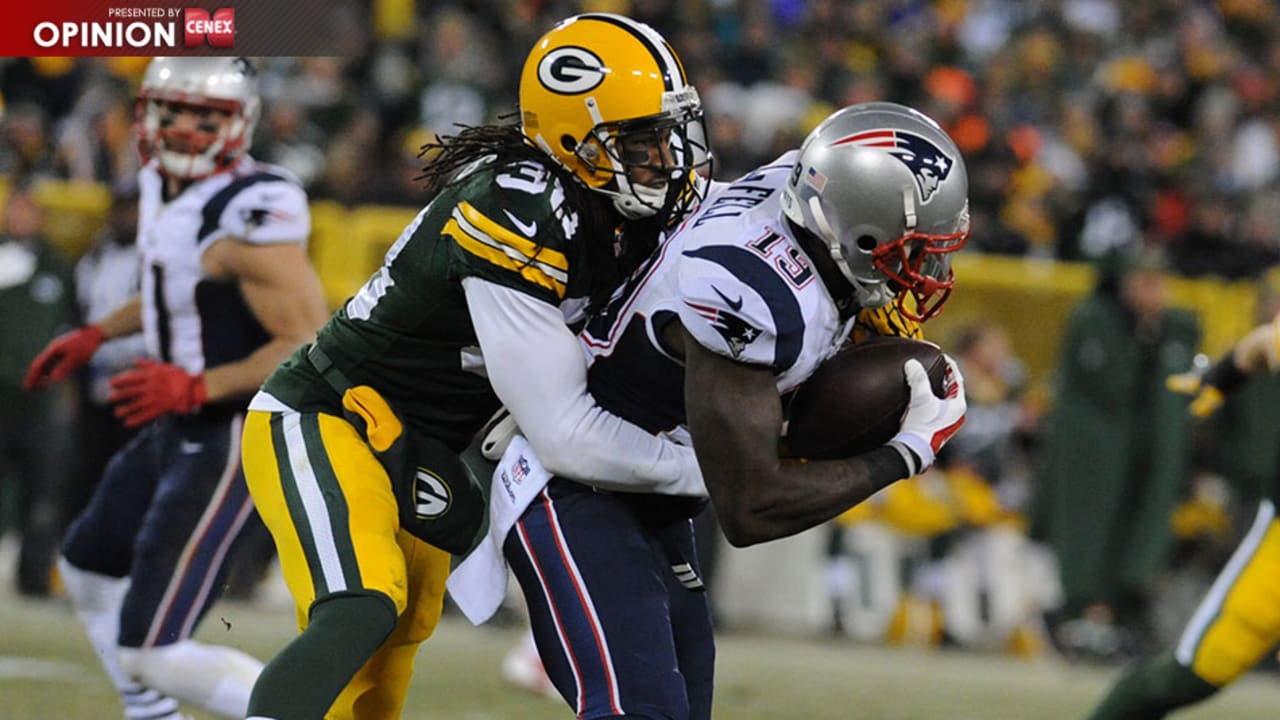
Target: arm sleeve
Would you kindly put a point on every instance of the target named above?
(538, 370)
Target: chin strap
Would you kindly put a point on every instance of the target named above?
(640, 202)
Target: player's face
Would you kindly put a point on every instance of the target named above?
(191, 129)
(648, 157)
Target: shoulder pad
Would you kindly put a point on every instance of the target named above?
(266, 206)
(735, 305)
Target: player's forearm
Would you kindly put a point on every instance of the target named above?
(245, 376)
(125, 320)
(735, 418)
(536, 367)
(764, 501)
(588, 444)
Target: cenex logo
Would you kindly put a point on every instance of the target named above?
(219, 31)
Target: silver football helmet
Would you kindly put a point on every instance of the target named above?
(221, 83)
(885, 188)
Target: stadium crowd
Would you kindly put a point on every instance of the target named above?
(1086, 125)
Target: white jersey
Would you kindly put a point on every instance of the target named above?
(741, 285)
(190, 319)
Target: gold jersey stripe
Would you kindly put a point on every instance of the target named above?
(516, 256)
(526, 247)
(531, 272)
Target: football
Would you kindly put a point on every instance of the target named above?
(854, 401)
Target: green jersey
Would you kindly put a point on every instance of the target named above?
(407, 332)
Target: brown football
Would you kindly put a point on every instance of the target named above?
(854, 401)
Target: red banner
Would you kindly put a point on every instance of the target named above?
(167, 27)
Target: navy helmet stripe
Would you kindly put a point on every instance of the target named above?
(212, 212)
(756, 273)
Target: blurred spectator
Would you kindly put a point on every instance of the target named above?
(993, 584)
(1001, 420)
(289, 139)
(1115, 452)
(25, 150)
(49, 83)
(1060, 108)
(106, 277)
(95, 143)
(36, 303)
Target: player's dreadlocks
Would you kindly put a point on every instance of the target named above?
(615, 249)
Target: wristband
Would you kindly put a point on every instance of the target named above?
(885, 466)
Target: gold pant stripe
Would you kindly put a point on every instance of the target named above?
(1239, 619)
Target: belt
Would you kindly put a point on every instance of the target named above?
(323, 364)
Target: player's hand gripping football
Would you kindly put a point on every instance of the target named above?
(152, 389)
(62, 356)
(929, 421)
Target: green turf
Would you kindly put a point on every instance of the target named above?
(47, 672)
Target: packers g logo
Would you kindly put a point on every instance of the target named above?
(570, 70)
(431, 495)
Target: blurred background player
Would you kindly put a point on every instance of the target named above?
(1238, 621)
(36, 303)
(759, 285)
(1114, 454)
(533, 223)
(226, 293)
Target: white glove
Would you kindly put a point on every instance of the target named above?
(929, 421)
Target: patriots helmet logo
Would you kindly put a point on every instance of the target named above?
(927, 162)
(737, 333)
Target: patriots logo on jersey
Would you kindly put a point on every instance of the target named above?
(737, 333)
(257, 217)
(927, 162)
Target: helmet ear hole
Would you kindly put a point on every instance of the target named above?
(568, 143)
(866, 243)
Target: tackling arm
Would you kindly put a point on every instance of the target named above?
(537, 369)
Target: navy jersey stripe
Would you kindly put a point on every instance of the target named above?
(164, 322)
(212, 211)
(753, 271)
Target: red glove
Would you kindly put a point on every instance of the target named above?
(152, 389)
(62, 356)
